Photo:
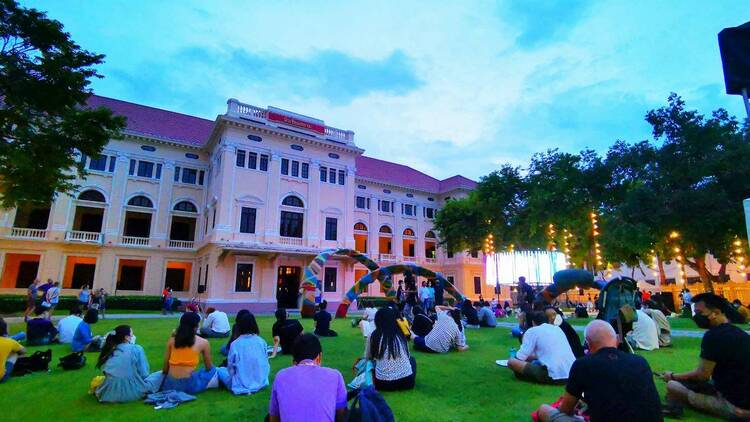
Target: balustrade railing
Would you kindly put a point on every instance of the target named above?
(22, 233)
(135, 241)
(85, 237)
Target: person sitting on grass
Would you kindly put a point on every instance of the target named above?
(125, 368)
(723, 361)
(422, 323)
(367, 323)
(235, 332)
(215, 325)
(247, 364)
(742, 310)
(485, 315)
(651, 309)
(323, 321)
(545, 356)
(83, 340)
(10, 350)
(469, 313)
(181, 359)
(644, 335)
(616, 386)
(67, 326)
(39, 330)
(395, 369)
(307, 391)
(555, 317)
(285, 331)
(446, 334)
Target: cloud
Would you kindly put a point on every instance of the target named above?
(543, 21)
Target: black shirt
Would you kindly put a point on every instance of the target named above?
(438, 294)
(323, 322)
(526, 292)
(422, 325)
(287, 332)
(616, 386)
(38, 329)
(729, 347)
(472, 317)
(573, 340)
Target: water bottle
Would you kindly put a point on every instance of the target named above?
(512, 353)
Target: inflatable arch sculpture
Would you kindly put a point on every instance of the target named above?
(312, 273)
(385, 276)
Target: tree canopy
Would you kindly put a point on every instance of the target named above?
(44, 122)
(677, 196)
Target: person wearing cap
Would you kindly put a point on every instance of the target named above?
(720, 384)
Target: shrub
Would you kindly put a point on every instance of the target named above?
(380, 301)
(17, 303)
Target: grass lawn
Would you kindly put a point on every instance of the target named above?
(465, 386)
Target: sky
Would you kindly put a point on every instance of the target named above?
(445, 87)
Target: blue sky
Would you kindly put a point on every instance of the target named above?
(446, 87)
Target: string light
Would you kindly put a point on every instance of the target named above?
(566, 236)
(595, 233)
(738, 256)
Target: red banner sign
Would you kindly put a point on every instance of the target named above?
(292, 121)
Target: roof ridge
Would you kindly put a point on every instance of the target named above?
(402, 165)
(151, 107)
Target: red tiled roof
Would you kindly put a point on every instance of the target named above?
(194, 131)
(150, 121)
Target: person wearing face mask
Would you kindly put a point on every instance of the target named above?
(720, 384)
(555, 317)
(125, 368)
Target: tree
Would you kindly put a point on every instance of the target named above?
(44, 121)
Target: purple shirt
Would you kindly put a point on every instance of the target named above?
(307, 393)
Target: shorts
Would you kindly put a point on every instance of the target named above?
(715, 404)
(536, 372)
(558, 416)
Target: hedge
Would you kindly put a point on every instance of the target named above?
(17, 303)
(379, 301)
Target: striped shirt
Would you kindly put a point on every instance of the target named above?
(389, 368)
(444, 334)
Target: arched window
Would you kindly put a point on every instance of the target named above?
(360, 227)
(385, 229)
(141, 201)
(408, 232)
(91, 195)
(429, 235)
(185, 206)
(292, 201)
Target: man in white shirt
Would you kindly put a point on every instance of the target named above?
(545, 356)
(67, 326)
(644, 335)
(661, 321)
(216, 324)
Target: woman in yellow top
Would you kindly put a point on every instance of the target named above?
(182, 357)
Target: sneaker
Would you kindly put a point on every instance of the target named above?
(672, 410)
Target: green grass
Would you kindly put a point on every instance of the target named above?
(455, 386)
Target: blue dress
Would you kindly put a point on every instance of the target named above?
(125, 371)
(247, 365)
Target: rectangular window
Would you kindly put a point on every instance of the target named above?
(189, 176)
(247, 220)
(361, 202)
(477, 285)
(332, 176)
(331, 228)
(112, 161)
(295, 168)
(201, 174)
(263, 162)
(158, 171)
(429, 212)
(385, 206)
(408, 209)
(291, 224)
(305, 170)
(342, 177)
(98, 163)
(145, 169)
(323, 174)
(131, 171)
(176, 174)
(252, 160)
(329, 283)
(284, 166)
(240, 158)
(243, 281)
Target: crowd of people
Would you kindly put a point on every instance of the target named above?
(601, 381)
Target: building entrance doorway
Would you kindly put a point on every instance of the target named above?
(287, 287)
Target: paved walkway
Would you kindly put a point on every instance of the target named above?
(675, 333)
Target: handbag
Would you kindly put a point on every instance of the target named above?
(37, 362)
(72, 361)
(370, 406)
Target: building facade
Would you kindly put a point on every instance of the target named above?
(231, 210)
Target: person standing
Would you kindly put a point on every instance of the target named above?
(168, 298)
(99, 302)
(723, 361)
(52, 298)
(525, 292)
(617, 386)
(31, 296)
(84, 297)
(439, 291)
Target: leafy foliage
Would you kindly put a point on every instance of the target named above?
(43, 120)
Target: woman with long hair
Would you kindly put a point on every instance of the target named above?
(125, 368)
(395, 369)
(247, 364)
(181, 359)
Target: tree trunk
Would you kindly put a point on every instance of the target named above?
(662, 273)
(706, 277)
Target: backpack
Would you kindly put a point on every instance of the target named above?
(39, 361)
(72, 361)
(370, 406)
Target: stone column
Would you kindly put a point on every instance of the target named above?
(114, 224)
(163, 210)
(348, 217)
(398, 231)
(313, 216)
(273, 200)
